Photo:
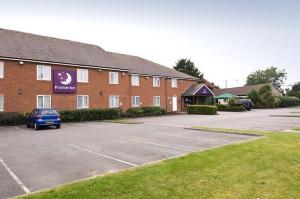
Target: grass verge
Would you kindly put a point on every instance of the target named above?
(297, 128)
(285, 115)
(263, 168)
(235, 131)
(124, 121)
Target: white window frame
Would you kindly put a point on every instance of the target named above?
(156, 83)
(113, 78)
(114, 104)
(44, 70)
(155, 100)
(82, 75)
(1, 70)
(134, 102)
(37, 101)
(174, 82)
(87, 102)
(135, 80)
(2, 105)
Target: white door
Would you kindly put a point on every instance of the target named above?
(174, 102)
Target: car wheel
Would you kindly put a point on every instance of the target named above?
(57, 126)
(28, 125)
(36, 127)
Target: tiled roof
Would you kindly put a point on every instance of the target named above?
(242, 91)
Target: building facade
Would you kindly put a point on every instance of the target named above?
(28, 82)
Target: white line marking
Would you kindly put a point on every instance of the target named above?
(190, 137)
(20, 183)
(162, 145)
(172, 125)
(105, 156)
(21, 130)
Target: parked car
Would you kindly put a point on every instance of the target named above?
(43, 117)
(247, 103)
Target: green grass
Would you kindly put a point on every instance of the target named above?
(123, 121)
(268, 167)
(225, 130)
(285, 115)
(297, 128)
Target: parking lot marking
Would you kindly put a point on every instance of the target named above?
(21, 130)
(191, 137)
(162, 145)
(105, 156)
(13, 175)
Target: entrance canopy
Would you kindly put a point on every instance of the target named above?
(198, 90)
(226, 96)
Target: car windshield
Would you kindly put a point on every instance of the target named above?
(48, 112)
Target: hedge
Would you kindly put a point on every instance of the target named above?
(11, 119)
(288, 101)
(202, 109)
(228, 108)
(144, 111)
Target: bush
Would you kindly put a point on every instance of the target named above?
(134, 112)
(288, 101)
(238, 108)
(202, 109)
(233, 101)
(263, 98)
(11, 119)
(89, 114)
(153, 111)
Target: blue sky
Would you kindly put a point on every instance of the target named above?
(227, 39)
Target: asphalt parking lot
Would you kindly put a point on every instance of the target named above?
(31, 161)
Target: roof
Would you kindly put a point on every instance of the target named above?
(244, 90)
(194, 90)
(225, 96)
(26, 46)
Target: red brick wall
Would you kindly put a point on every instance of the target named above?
(23, 77)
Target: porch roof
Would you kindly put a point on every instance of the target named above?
(198, 90)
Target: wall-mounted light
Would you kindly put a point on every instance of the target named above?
(123, 73)
(20, 91)
(147, 77)
(21, 63)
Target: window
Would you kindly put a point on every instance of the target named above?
(156, 100)
(136, 100)
(135, 80)
(113, 77)
(1, 103)
(44, 101)
(43, 72)
(114, 101)
(156, 81)
(82, 101)
(1, 70)
(174, 83)
(83, 75)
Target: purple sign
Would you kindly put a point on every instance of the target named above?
(204, 92)
(64, 81)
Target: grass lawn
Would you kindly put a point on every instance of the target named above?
(268, 167)
(124, 121)
(297, 128)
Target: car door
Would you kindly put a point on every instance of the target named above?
(32, 117)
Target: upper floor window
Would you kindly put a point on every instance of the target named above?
(1, 70)
(114, 101)
(135, 80)
(1, 103)
(44, 101)
(113, 78)
(156, 100)
(136, 100)
(43, 72)
(174, 83)
(82, 101)
(83, 75)
(156, 81)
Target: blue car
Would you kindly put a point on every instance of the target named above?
(43, 117)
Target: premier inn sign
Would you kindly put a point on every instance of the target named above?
(64, 81)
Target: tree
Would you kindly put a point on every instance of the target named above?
(295, 90)
(270, 75)
(263, 98)
(188, 67)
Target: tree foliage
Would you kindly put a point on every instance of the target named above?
(295, 90)
(271, 75)
(263, 98)
(188, 67)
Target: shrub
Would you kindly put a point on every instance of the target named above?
(288, 101)
(202, 109)
(134, 112)
(153, 111)
(263, 98)
(233, 101)
(11, 119)
(238, 108)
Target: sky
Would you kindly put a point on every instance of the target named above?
(226, 39)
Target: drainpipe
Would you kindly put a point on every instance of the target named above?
(166, 95)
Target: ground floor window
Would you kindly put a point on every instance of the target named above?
(1, 102)
(136, 100)
(44, 101)
(114, 101)
(156, 100)
(82, 101)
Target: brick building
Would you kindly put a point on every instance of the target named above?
(39, 71)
